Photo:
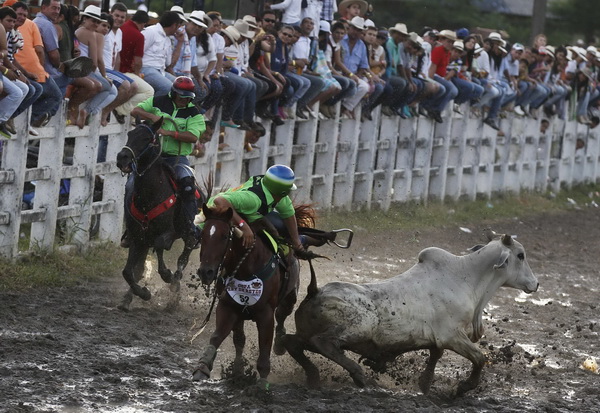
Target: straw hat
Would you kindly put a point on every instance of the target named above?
(448, 34)
(251, 20)
(458, 44)
(358, 22)
(244, 29)
(232, 33)
(343, 6)
(399, 28)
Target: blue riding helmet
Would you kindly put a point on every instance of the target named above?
(279, 180)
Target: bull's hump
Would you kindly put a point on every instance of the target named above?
(435, 256)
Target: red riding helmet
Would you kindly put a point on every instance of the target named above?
(184, 87)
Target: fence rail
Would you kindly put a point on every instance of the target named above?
(341, 164)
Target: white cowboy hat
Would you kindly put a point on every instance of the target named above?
(324, 26)
(415, 38)
(198, 17)
(347, 3)
(179, 10)
(93, 12)
(358, 22)
(244, 29)
(458, 44)
(251, 20)
(232, 33)
(494, 36)
(399, 28)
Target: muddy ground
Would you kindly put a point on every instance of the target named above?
(72, 350)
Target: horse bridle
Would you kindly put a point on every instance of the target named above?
(151, 145)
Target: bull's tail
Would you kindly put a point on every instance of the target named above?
(312, 289)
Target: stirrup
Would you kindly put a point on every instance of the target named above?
(342, 244)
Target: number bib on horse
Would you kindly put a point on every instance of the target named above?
(245, 292)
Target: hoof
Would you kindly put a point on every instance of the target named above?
(167, 276)
(146, 294)
(278, 345)
(202, 373)
(263, 385)
(359, 380)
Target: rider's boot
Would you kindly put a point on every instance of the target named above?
(189, 209)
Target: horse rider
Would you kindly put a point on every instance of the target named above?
(181, 128)
(266, 196)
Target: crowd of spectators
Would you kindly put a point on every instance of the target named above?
(279, 65)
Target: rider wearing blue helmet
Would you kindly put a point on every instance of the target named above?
(257, 198)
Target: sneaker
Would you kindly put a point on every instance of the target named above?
(289, 112)
(456, 109)
(79, 67)
(33, 132)
(406, 112)
(229, 124)
(387, 111)
(533, 113)
(519, 111)
(278, 121)
(4, 133)
(300, 114)
(120, 118)
(423, 112)
(10, 126)
(436, 116)
(491, 123)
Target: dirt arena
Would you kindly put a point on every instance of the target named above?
(72, 350)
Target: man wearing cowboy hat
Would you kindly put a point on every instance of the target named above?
(440, 57)
(354, 61)
(348, 9)
(158, 51)
(397, 73)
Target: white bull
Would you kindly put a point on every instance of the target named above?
(435, 305)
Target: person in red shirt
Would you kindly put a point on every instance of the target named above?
(133, 43)
(440, 57)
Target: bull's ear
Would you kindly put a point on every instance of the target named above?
(502, 260)
(507, 240)
(489, 234)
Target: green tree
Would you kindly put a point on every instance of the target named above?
(578, 16)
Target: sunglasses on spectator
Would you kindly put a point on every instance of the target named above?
(270, 20)
(287, 34)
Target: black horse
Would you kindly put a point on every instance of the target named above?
(152, 217)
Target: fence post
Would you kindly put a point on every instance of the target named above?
(347, 148)
(365, 161)
(385, 162)
(12, 179)
(324, 162)
(304, 155)
(422, 159)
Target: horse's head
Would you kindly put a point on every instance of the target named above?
(139, 139)
(216, 241)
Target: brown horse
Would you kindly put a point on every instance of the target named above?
(251, 285)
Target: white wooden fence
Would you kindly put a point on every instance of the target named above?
(341, 164)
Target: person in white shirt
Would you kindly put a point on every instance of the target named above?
(292, 11)
(158, 52)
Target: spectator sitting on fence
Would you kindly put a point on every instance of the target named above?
(158, 52)
(467, 90)
(28, 59)
(352, 61)
(30, 89)
(86, 88)
(398, 72)
(127, 88)
(14, 95)
(91, 44)
(379, 89)
(440, 57)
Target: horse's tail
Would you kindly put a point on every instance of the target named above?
(312, 289)
(305, 215)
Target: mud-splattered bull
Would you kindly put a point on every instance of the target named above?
(435, 305)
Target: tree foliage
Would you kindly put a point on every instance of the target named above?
(578, 17)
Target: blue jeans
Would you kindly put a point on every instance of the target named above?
(160, 81)
(300, 85)
(12, 100)
(315, 87)
(48, 102)
(107, 94)
(449, 94)
(467, 90)
(34, 90)
(242, 105)
(348, 89)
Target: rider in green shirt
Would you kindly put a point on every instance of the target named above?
(259, 197)
(182, 127)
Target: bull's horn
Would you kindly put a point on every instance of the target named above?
(489, 234)
(507, 240)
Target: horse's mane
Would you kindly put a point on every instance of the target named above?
(305, 215)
